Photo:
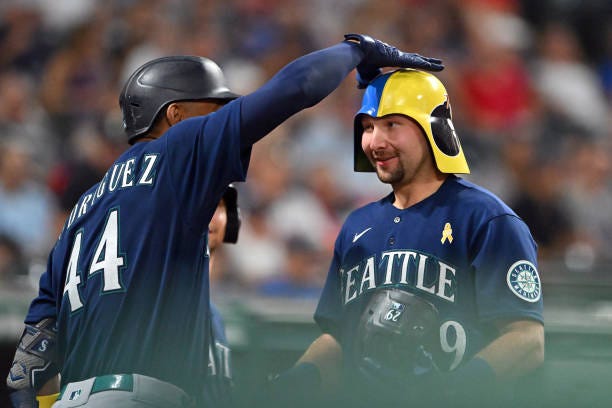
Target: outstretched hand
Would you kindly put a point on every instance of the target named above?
(378, 54)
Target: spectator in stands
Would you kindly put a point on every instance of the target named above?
(300, 277)
(13, 263)
(588, 196)
(26, 206)
(566, 82)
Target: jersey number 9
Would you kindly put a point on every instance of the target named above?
(453, 340)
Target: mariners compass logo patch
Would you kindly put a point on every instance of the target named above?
(524, 281)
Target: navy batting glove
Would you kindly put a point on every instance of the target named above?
(378, 54)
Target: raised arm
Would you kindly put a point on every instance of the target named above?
(307, 80)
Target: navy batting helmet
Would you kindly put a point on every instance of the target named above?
(164, 80)
(230, 197)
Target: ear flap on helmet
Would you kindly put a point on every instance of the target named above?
(233, 215)
(443, 131)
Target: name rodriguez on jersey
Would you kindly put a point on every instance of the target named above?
(399, 267)
(121, 175)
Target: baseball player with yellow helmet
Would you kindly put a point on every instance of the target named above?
(433, 294)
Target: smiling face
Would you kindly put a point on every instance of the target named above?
(397, 148)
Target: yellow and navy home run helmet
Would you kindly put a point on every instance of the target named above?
(422, 97)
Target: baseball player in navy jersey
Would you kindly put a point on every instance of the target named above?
(433, 293)
(223, 228)
(123, 306)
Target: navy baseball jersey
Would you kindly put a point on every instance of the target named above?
(462, 249)
(133, 300)
(218, 387)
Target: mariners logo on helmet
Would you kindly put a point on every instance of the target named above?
(422, 97)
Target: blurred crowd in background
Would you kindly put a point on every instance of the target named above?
(530, 83)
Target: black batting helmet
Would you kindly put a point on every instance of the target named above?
(164, 80)
(230, 197)
(396, 337)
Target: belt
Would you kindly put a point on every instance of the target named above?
(114, 382)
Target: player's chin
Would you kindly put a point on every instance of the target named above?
(389, 176)
(384, 177)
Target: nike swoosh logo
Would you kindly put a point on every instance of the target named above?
(357, 236)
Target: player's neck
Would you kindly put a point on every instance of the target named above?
(409, 194)
(145, 139)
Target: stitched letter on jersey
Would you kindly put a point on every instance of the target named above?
(410, 268)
